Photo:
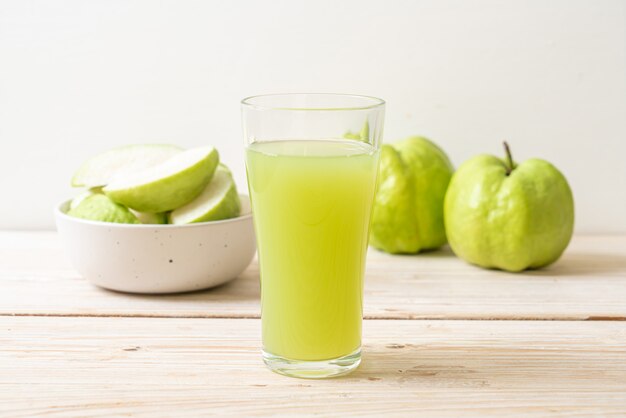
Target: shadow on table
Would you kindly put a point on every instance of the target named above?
(246, 287)
(407, 362)
(570, 264)
(470, 366)
(443, 252)
(579, 264)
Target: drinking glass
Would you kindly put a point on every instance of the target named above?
(312, 161)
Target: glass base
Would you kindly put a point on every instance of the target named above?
(313, 369)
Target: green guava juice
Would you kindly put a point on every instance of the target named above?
(312, 202)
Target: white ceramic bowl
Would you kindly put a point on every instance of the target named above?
(158, 258)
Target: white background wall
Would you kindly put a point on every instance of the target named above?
(78, 77)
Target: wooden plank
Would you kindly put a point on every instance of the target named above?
(176, 367)
(589, 282)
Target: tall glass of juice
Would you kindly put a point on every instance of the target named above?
(312, 161)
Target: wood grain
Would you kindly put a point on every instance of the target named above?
(589, 282)
(175, 367)
(70, 349)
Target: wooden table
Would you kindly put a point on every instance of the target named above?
(441, 338)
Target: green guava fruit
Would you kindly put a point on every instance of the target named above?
(120, 162)
(166, 186)
(408, 208)
(98, 207)
(219, 200)
(509, 216)
(150, 218)
(142, 217)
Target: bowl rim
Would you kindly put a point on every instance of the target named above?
(58, 211)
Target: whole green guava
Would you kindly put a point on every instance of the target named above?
(408, 209)
(512, 217)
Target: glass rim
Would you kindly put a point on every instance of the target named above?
(376, 102)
